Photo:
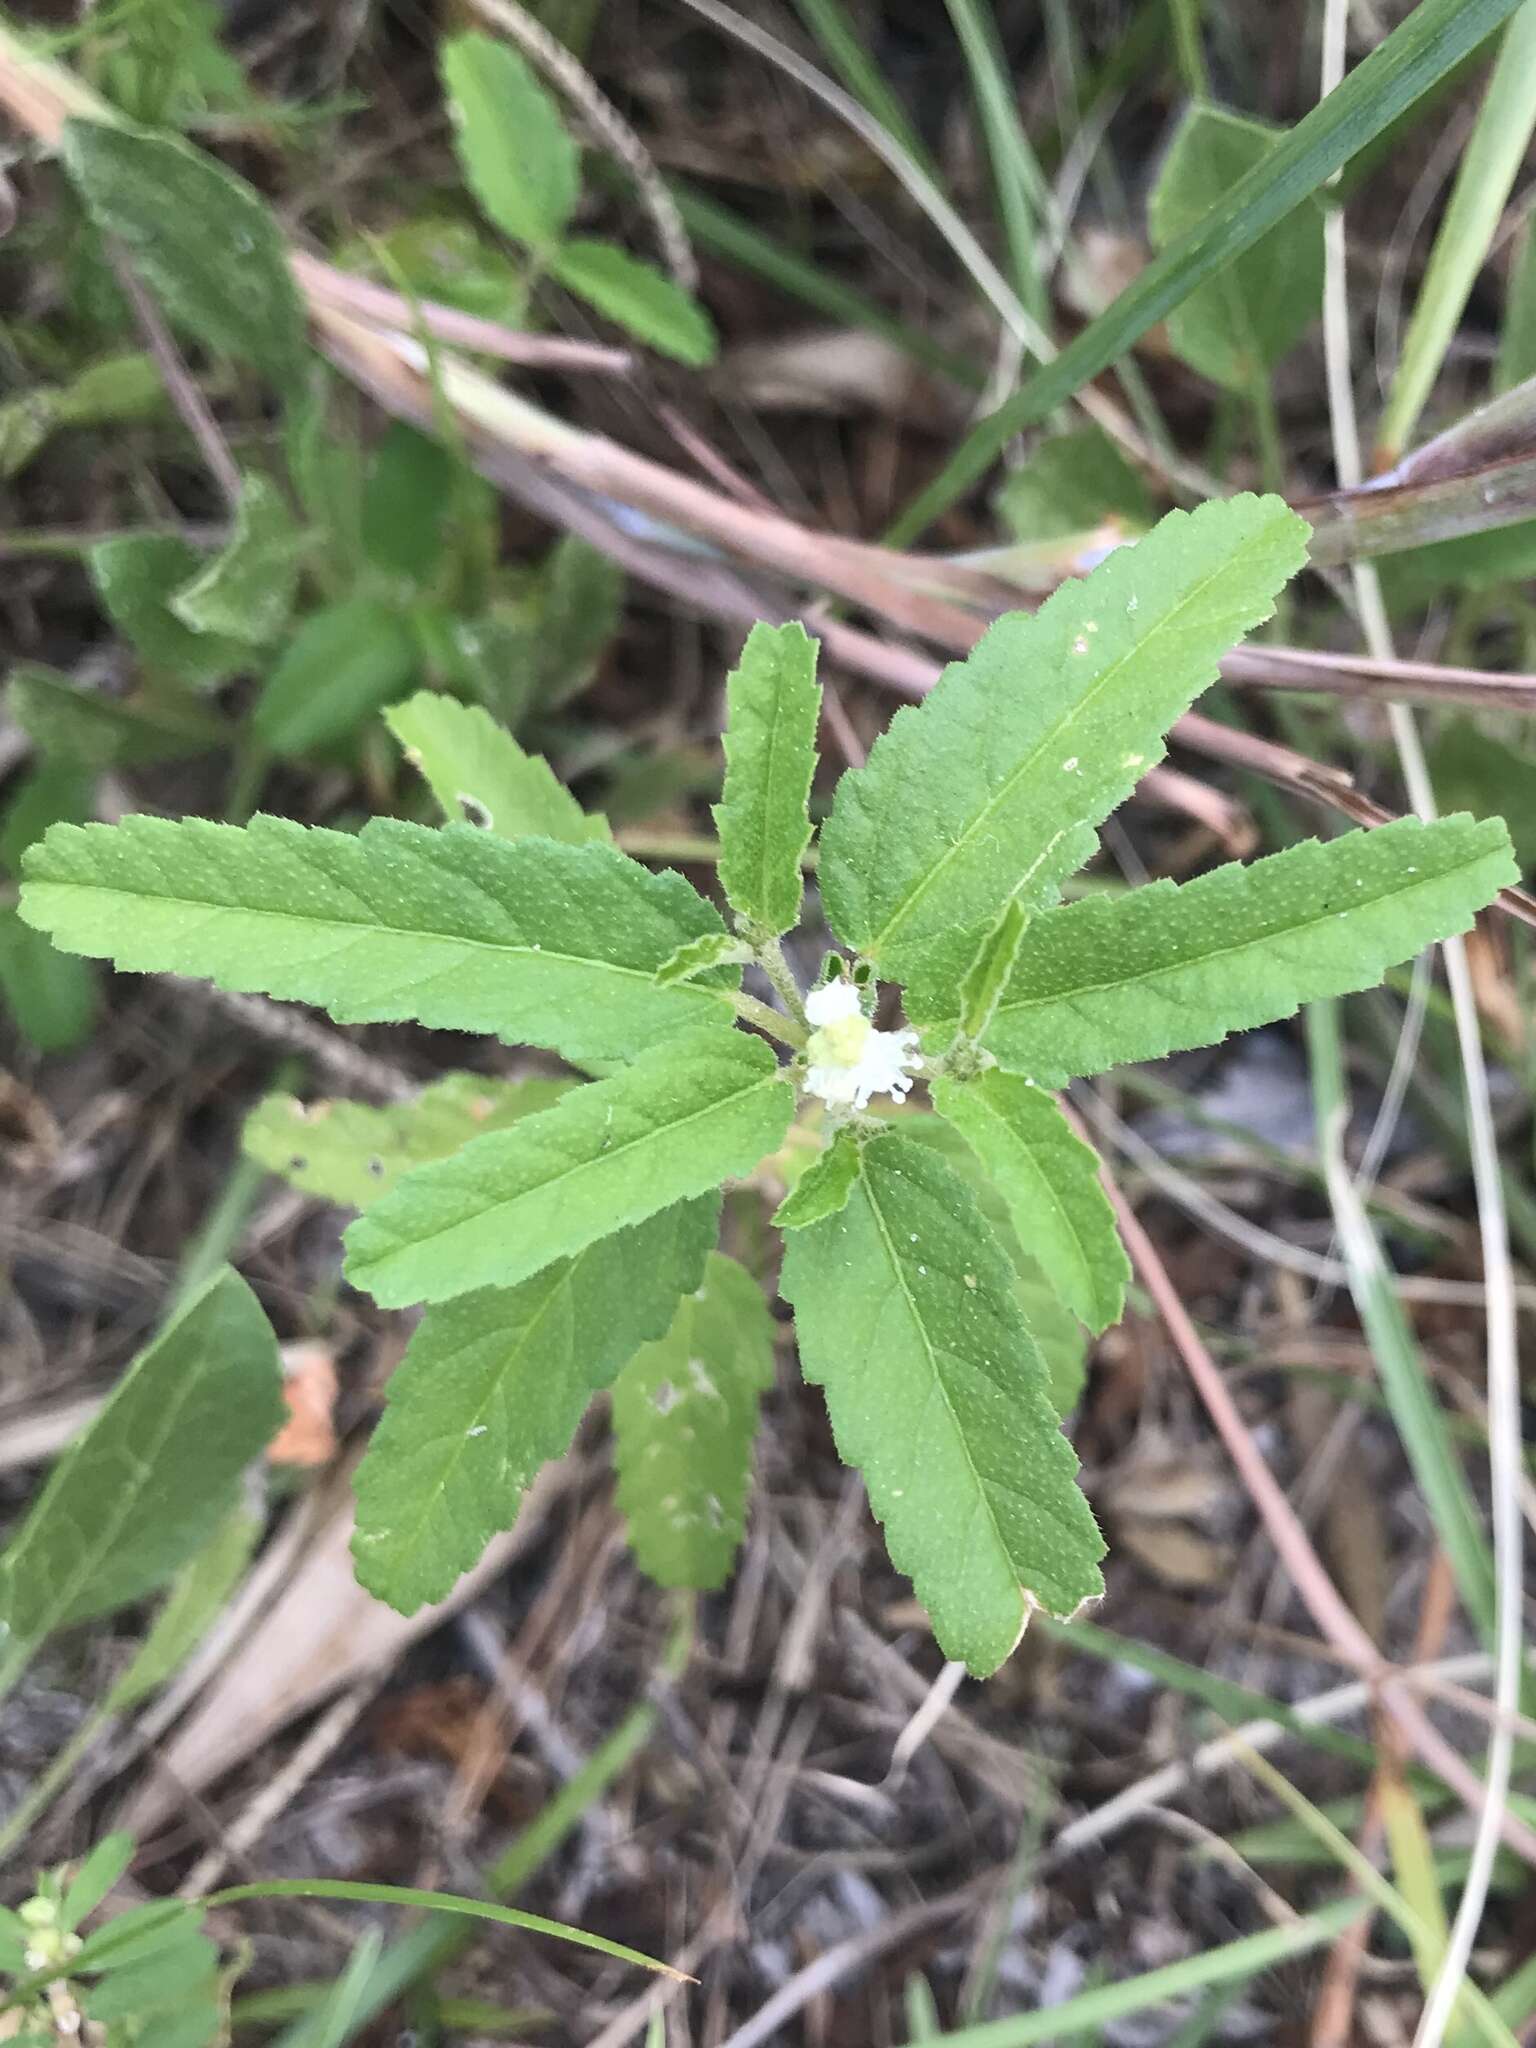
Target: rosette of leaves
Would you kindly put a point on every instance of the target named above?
(565, 1245)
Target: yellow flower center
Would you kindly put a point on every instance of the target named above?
(841, 1043)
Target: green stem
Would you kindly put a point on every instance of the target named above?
(431, 1945)
(12, 1664)
(1186, 36)
(770, 957)
(774, 1022)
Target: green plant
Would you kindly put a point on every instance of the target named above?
(564, 1246)
(151, 1975)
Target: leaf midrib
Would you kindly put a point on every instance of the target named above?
(429, 1502)
(765, 876)
(1051, 737)
(1095, 988)
(185, 1388)
(571, 1174)
(354, 929)
(983, 1496)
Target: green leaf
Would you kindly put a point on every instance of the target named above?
(1071, 484)
(825, 1185)
(687, 1115)
(50, 995)
(684, 1417)
(773, 702)
(1517, 337)
(247, 592)
(70, 720)
(202, 240)
(493, 1385)
(408, 505)
(650, 306)
(990, 790)
(536, 942)
(163, 1985)
(1413, 58)
(479, 773)
(105, 1864)
(118, 388)
(341, 667)
(195, 1600)
(136, 577)
(987, 975)
(518, 159)
(715, 949)
(143, 1488)
(1062, 1340)
(350, 1153)
(1059, 1336)
(1237, 325)
(1050, 1182)
(54, 791)
(905, 1307)
(581, 602)
(1491, 777)
(130, 1937)
(1112, 979)
(457, 262)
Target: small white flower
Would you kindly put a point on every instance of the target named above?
(849, 1060)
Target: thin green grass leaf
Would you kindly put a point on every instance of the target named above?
(1489, 164)
(1236, 1962)
(1401, 1368)
(436, 1902)
(1409, 62)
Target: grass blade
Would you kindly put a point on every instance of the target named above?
(1234, 1962)
(1412, 59)
(1404, 1377)
(1487, 171)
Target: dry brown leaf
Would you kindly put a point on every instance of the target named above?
(308, 1437)
(1175, 1553)
(321, 1632)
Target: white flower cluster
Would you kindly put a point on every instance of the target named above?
(849, 1059)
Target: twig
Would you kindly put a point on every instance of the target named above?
(391, 310)
(925, 194)
(1505, 1464)
(1167, 1782)
(1310, 1577)
(1264, 1245)
(346, 1064)
(181, 386)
